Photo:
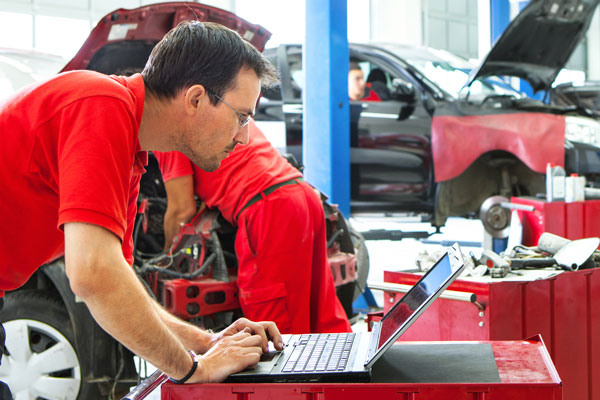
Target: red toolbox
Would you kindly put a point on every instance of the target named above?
(562, 308)
(571, 220)
(523, 367)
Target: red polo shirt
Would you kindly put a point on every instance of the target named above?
(247, 171)
(70, 153)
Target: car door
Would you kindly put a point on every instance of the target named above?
(390, 143)
(391, 147)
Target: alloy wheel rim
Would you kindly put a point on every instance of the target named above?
(40, 362)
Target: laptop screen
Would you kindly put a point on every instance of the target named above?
(415, 298)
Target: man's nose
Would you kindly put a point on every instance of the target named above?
(243, 135)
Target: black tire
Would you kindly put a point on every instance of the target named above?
(44, 320)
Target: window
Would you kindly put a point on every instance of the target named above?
(380, 80)
(16, 30)
(59, 35)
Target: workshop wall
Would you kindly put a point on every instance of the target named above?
(61, 26)
(460, 26)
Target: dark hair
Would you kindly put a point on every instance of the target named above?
(202, 53)
(354, 66)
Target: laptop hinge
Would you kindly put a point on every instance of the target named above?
(373, 342)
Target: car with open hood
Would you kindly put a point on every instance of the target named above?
(446, 135)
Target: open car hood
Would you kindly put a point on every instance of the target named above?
(538, 42)
(122, 41)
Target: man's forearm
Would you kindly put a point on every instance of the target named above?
(131, 317)
(99, 274)
(190, 335)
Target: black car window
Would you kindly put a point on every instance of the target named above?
(296, 72)
(378, 76)
(379, 79)
(273, 92)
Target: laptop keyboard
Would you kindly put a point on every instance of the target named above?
(320, 352)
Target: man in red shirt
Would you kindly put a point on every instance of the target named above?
(358, 89)
(73, 149)
(283, 272)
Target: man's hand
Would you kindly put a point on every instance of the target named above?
(265, 330)
(230, 354)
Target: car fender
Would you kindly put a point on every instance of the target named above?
(458, 140)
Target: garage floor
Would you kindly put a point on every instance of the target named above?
(400, 255)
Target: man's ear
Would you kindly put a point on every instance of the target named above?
(195, 98)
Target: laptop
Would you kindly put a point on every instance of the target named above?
(349, 357)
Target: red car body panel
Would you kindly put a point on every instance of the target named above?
(534, 138)
(150, 23)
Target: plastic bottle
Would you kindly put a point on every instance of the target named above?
(555, 182)
(580, 188)
(570, 182)
(574, 188)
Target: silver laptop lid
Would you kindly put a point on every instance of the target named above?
(414, 302)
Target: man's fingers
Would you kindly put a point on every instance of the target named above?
(266, 330)
(223, 360)
(257, 329)
(244, 338)
(252, 341)
(251, 359)
(273, 334)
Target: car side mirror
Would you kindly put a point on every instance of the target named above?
(403, 91)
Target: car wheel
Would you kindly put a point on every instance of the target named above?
(40, 361)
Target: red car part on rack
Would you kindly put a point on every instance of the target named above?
(534, 138)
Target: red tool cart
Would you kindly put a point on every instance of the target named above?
(559, 306)
(575, 220)
(523, 370)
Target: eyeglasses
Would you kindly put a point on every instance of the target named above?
(244, 119)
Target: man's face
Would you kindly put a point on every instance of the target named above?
(217, 129)
(356, 84)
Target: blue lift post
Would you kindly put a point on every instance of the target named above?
(326, 135)
(499, 18)
(326, 130)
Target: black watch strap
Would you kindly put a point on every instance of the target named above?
(189, 374)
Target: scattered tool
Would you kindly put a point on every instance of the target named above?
(498, 266)
(566, 254)
(570, 256)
